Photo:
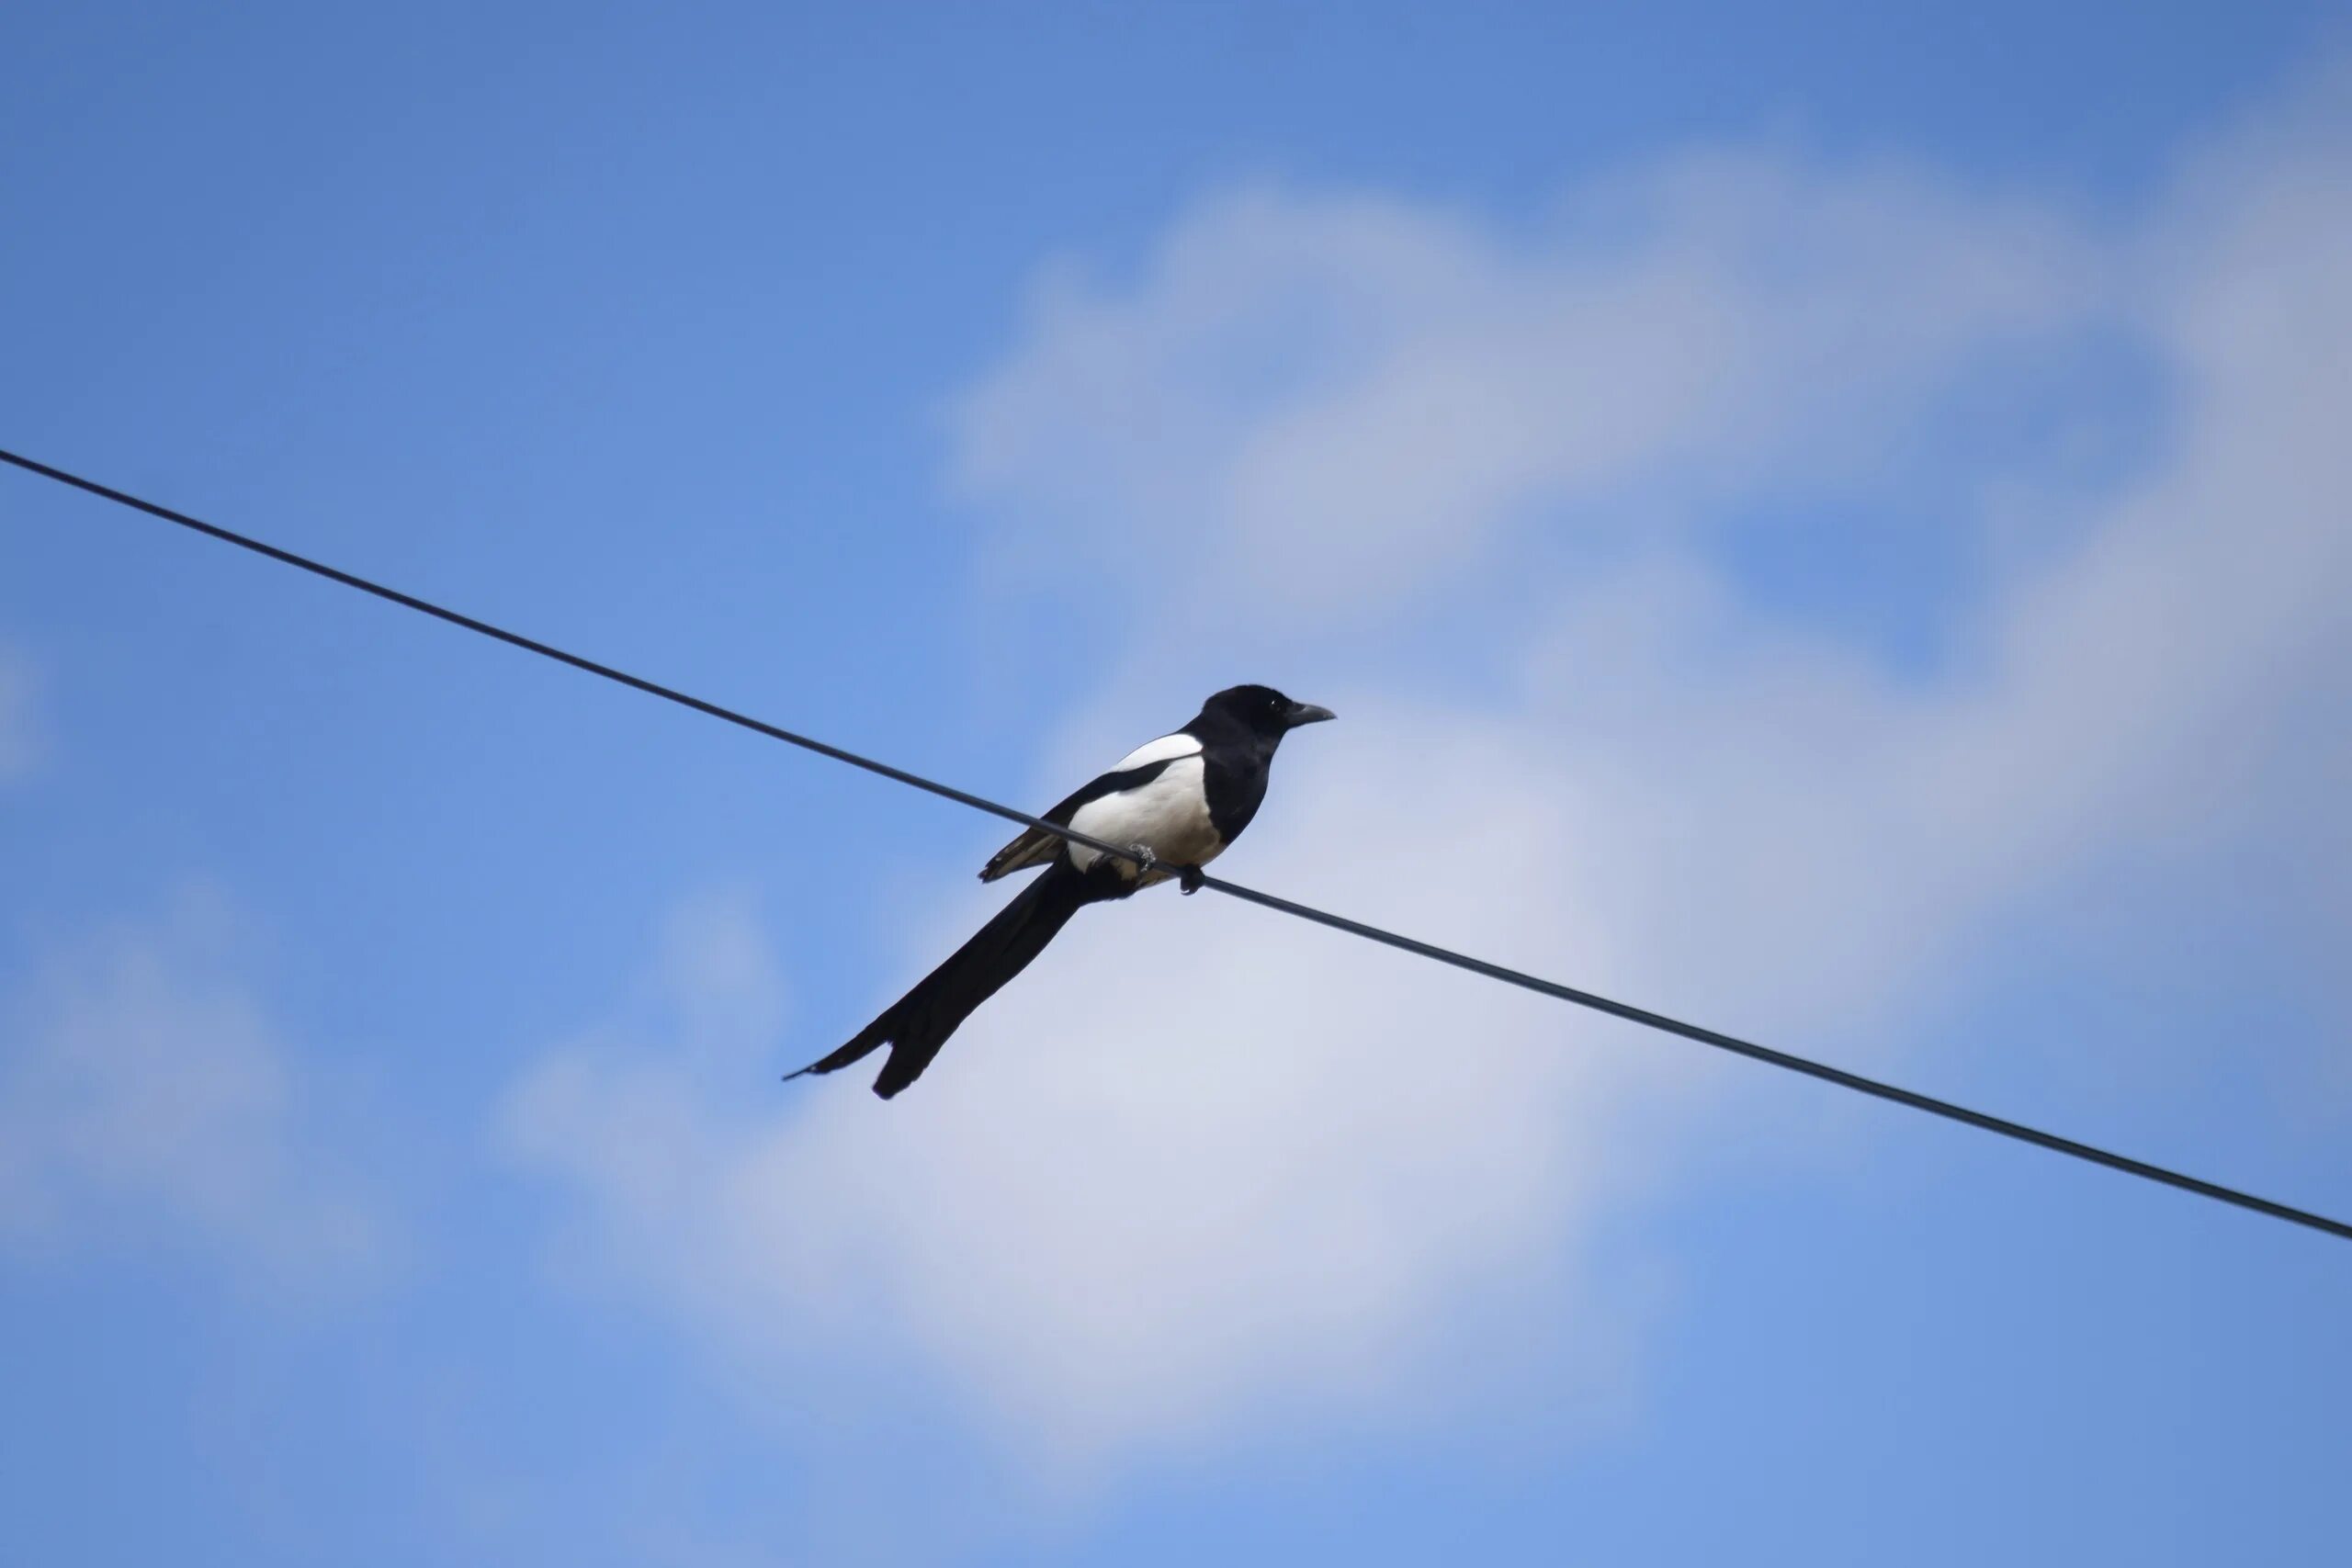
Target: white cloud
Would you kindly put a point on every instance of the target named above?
(144, 1091)
(1282, 1175)
(1112, 1233)
(1308, 403)
(21, 746)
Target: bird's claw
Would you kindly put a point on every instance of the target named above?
(1188, 877)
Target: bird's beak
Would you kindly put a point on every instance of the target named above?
(1307, 713)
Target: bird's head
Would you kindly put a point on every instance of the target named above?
(1262, 711)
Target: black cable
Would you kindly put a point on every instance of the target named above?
(1827, 1074)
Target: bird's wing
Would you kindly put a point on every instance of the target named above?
(1036, 847)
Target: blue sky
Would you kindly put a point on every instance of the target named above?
(1829, 522)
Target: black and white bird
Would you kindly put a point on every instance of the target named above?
(1179, 800)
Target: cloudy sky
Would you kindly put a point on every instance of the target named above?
(1829, 525)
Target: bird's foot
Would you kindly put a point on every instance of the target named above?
(1188, 877)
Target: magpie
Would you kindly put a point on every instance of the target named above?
(1178, 801)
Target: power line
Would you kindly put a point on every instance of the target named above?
(1813, 1069)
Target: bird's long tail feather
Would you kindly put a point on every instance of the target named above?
(918, 1023)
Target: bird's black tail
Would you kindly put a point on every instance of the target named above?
(918, 1023)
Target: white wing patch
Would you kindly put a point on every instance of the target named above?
(1170, 814)
(1167, 746)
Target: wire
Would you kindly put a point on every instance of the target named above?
(1874, 1088)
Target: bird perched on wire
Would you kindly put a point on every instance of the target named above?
(1178, 801)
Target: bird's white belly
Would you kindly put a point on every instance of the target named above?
(1169, 815)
